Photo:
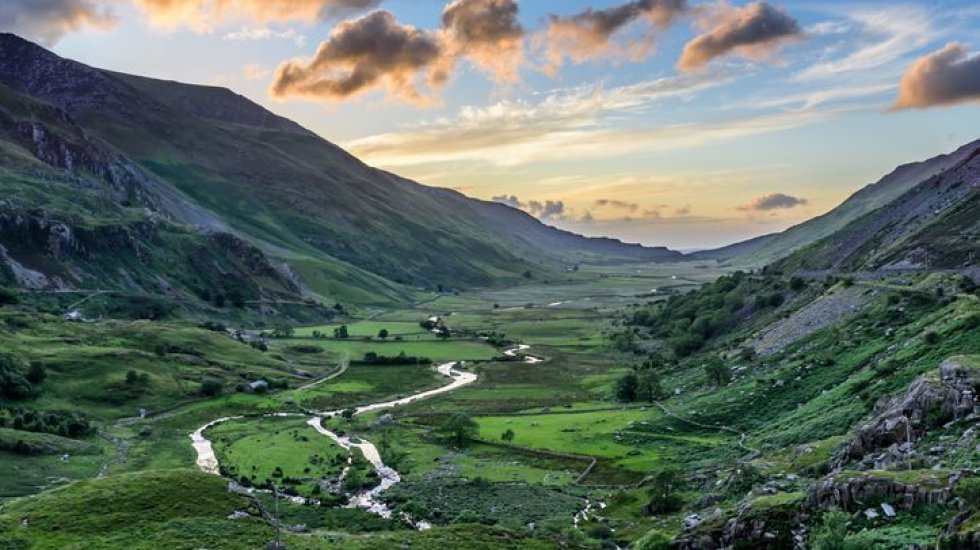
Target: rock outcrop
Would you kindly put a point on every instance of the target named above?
(889, 436)
(853, 492)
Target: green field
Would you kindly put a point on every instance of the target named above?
(267, 451)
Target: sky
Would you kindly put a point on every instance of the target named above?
(667, 122)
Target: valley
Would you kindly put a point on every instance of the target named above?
(219, 330)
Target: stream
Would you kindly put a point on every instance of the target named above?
(369, 499)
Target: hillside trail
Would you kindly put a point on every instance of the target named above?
(370, 499)
(742, 436)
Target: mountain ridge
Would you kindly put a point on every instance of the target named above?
(239, 169)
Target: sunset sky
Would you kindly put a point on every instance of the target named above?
(688, 124)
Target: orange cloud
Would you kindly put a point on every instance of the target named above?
(364, 54)
(46, 22)
(945, 77)
(202, 15)
(488, 33)
(589, 35)
(755, 31)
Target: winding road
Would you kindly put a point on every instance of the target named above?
(369, 500)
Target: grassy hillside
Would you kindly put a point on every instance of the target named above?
(175, 167)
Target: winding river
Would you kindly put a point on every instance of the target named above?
(369, 500)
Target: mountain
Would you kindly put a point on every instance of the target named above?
(935, 225)
(763, 250)
(125, 182)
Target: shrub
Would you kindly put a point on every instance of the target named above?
(831, 532)
(932, 338)
(211, 387)
(969, 490)
(8, 296)
(687, 344)
(36, 373)
(653, 540)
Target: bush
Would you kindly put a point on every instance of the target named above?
(969, 490)
(832, 531)
(13, 384)
(653, 540)
(36, 373)
(211, 387)
(687, 344)
(8, 297)
(932, 338)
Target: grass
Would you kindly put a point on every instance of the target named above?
(266, 451)
(364, 384)
(446, 502)
(170, 508)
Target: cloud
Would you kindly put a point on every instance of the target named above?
(944, 77)
(885, 34)
(377, 51)
(548, 210)
(46, 21)
(513, 134)
(511, 201)
(755, 31)
(204, 15)
(774, 201)
(488, 33)
(523, 128)
(589, 34)
(617, 204)
(254, 71)
(252, 34)
(364, 54)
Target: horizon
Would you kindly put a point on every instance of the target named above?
(637, 132)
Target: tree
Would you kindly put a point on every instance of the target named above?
(648, 387)
(383, 333)
(283, 331)
(663, 492)
(341, 332)
(36, 373)
(444, 333)
(13, 385)
(508, 435)
(718, 372)
(626, 387)
(458, 429)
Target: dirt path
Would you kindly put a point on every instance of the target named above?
(342, 368)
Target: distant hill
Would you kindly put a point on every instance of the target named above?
(119, 181)
(766, 249)
(737, 250)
